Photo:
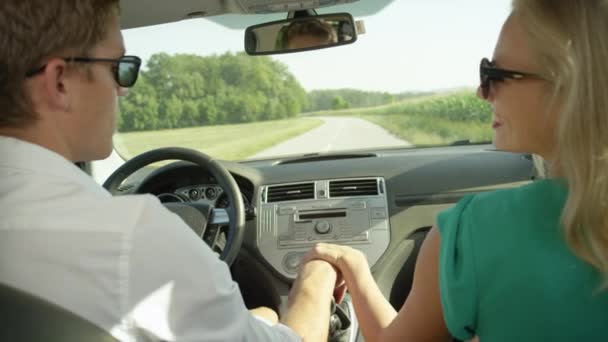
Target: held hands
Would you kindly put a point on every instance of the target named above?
(330, 266)
(348, 261)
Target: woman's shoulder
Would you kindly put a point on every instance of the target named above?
(536, 194)
(522, 206)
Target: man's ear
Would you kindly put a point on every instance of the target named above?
(56, 85)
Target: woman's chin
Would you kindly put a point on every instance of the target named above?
(502, 145)
(505, 146)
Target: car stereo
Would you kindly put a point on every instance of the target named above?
(295, 216)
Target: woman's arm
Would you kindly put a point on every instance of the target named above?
(373, 311)
(421, 317)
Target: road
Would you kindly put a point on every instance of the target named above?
(336, 134)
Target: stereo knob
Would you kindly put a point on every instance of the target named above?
(291, 262)
(323, 227)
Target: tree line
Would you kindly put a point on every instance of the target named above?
(175, 91)
(189, 90)
(331, 99)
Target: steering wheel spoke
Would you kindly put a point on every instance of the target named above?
(215, 237)
(219, 216)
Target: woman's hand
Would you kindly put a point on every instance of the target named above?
(347, 260)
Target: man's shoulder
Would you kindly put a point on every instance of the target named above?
(71, 207)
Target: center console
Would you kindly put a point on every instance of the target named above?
(295, 216)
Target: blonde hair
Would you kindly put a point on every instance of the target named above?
(34, 30)
(569, 37)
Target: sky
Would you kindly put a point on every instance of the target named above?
(411, 45)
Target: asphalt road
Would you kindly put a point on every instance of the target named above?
(336, 134)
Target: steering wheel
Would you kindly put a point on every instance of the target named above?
(204, 219)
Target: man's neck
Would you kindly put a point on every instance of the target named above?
(44, 137)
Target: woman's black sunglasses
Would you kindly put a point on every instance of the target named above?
(488, 73)
(126, 68)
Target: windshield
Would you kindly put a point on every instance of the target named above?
(409, 81)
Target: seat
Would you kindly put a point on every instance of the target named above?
(25, 317)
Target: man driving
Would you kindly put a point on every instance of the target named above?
(126, 264)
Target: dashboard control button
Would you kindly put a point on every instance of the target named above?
(378, 213)
(322, 227)
(358, 205)
(361, 237)
(300, 236)
(291, 262)
(287, 210)
(194, 194)
(210, 193)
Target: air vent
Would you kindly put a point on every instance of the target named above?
(291, 192)
(353, 187)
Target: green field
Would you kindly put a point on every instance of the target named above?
(228, 142)
(430, 120)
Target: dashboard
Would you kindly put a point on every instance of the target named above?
(210, 194)
(372, 202)
(183, 182)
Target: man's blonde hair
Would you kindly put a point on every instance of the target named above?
(570, 38)
(32, 31)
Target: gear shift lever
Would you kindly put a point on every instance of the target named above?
(339, 322)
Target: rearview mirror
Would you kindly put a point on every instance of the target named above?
(300, 34)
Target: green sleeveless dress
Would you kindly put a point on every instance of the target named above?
(506, 273)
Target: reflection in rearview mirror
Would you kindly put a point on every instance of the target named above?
(300, 34)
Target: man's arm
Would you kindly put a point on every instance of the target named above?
(374, 312)
(180, 291)
(310, 300)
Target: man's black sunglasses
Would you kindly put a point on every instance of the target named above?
(488, 73)
(126, 68)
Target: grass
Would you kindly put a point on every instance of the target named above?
(227, 142)
(420, 130)
(438, 119)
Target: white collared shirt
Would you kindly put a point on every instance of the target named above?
(124, 263)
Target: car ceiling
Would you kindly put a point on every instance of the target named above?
(231, 13)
